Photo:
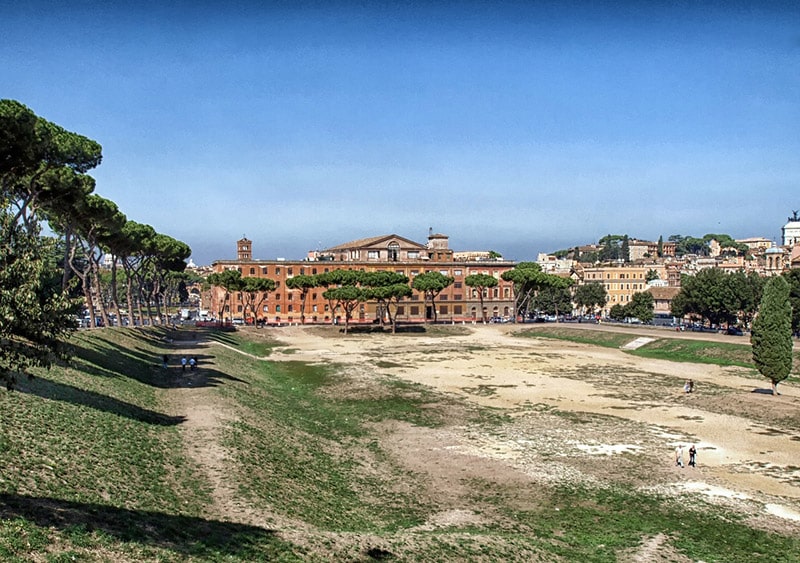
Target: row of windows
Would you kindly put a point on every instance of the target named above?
(314, 271)
(619, 286)
(622, 276)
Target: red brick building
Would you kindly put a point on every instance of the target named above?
(457, 303)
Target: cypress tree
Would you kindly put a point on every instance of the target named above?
(771, 335)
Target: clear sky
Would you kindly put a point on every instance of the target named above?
(520, 127)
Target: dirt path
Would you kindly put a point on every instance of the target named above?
(206, 414)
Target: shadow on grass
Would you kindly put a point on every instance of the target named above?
(144, 367)
(54, 391)
(186, 535)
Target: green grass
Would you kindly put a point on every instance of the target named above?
(307, 430)
(671, 349)
(698, 351)
(90, 460)
(603, 338)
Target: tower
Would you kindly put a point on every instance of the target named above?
(244, 249)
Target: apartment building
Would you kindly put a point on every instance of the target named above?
(457, 303)
(621, 281)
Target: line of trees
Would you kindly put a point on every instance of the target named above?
(345, 290)
(719, 297)
(45, 280)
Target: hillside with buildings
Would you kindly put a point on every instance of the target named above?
(623, 265)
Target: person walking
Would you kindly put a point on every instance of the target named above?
(692, 456)
(183, 363)
(192, 363)
(679, 456)
(166, 361)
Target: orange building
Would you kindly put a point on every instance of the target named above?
(457, 303)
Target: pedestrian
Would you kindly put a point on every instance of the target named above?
(686, 388)
(691, 386)
(679, 456)
(166, 361)
(692, 456)
(183, 363)
(192, 363)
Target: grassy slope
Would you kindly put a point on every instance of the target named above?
(672, 349)
(92, 468)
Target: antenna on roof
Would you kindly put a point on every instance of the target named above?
(430, 231)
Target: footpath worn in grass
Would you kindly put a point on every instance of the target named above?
(93, 469)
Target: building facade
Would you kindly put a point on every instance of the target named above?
(621, 281)
(457, 303)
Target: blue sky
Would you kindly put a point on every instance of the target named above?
(520, 127)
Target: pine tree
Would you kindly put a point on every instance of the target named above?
(772, 333)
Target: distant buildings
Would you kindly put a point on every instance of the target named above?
(650, 266)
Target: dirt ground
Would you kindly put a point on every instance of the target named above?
(748, 442)
(578, 413)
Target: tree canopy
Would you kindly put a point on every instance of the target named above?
(431, 284)
(718, 296)
(481, 282)
(591, 296)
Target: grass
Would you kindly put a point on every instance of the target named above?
(671, 349)
(94, 468)
(91, 463)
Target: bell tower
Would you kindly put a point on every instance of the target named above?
(244, 249)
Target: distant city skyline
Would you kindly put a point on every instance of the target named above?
(520, 127)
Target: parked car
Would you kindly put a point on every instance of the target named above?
(734, 331)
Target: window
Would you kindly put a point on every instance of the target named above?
(443, 309)
(457, 309)
(277, 297)
(496, 293)
(289, 309)
(264, 270)
(373, 254)
(277, 308)
(401, 310)
(457, 285)
(289, 271)
(414, 273)
(458, 297)
(265, 308)
(413, 254)
(252, 271)
(443, 297)
(415, 310)
(457, 272)
(277, 271)
(393, 252)
(239, 309)
(443, 272)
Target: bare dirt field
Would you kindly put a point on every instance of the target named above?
(633, 412)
